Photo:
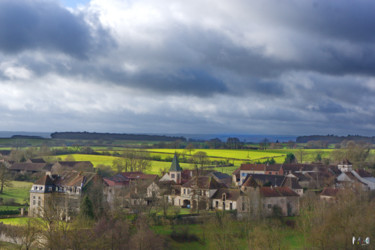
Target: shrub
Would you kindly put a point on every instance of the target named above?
(184, 236)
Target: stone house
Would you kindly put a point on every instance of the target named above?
(329, 194)
(64, 191)
(226, 199)
(127, 189)
(274, 181)
(283, 197)
(258, 200)
(197, 192)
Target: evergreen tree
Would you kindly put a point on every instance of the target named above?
(290, 158)
(86, 210)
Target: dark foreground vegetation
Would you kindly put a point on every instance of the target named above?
(320, 225)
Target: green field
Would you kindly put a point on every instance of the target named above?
(235, 157)
(156, 166)
(19, 192)
(226, 156)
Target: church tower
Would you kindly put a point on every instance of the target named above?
(175, 170)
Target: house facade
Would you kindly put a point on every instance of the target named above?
(59, 192)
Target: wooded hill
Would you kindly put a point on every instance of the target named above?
(112, 136)
(335, 139)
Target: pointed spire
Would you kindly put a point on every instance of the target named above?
(175, 165)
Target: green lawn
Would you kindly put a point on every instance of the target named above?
(3, 208)
(19, 191)
(19, 221)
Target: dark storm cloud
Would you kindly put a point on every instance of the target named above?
(28, 25)
(246, 66)
(186, 81)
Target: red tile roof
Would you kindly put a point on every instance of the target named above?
(363, 173)
(277, 192)
(327, 191)
(253, 167)
(274, 167)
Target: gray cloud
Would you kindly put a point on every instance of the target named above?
(43, 25)
(255, 67)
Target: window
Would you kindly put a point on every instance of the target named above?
(34, 197)
(172, 175)
(230, 206)
(38, 203)
(35, 187)
(243, 174)
(184, 190)
(216, 204)
(269, 206)
(41, 188)
(243, 206)
(34, 202)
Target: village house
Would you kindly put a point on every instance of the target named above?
(197, 193)
(239, 175)
(352, 178)
(36, 160)
(304, 180)
(30, 168)
(226, 199)
(274, 181)
(65, 191)
(221, 178)
(329, 194)
(266, 201)
(63, 166)
(282, 197)
(127, 189)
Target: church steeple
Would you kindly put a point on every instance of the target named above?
(175, 166)
(175, 170)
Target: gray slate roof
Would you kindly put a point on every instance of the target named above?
(175, 166)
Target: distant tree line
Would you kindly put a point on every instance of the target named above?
(113, 136)
(330, 139)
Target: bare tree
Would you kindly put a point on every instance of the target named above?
(190, 148)
(5, 180)
(200, 158)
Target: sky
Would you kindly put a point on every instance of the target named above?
(252, 67)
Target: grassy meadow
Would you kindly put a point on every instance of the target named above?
(18, 192)
(18, 221)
